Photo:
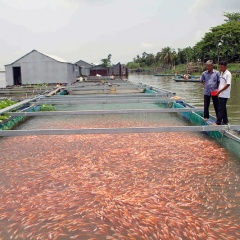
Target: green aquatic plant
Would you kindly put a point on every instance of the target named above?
(6, 103)
(3, 117)
(47, 107)
(12, 123)
(3, 104)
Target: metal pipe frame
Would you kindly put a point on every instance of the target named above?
(101, 112)
(8, 133)
(17, 105)
(97, 96)
(103, 101)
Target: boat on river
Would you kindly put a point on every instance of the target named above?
(192, 79)
(165, 74)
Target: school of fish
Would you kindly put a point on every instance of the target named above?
(120, 186)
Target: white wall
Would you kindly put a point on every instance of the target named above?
(38, 68)
(2, 80)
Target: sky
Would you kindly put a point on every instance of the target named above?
(90, 30)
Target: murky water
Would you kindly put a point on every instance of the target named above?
(193, 92)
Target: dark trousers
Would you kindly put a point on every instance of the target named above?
(222, 111)
(207, 103)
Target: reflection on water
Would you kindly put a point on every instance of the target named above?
(192, 92)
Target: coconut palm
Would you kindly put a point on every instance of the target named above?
(167, 56)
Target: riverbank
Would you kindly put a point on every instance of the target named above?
(234, 68)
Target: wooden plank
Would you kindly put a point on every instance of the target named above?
(54, 92)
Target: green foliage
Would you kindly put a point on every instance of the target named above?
(3, 104)
(106, 62)
(47, 107)
(3, 117)
(232, 17)
(167, 57)
(6, 103)
(12, 123)
(220, 43)
(133, 65)
(236, 77)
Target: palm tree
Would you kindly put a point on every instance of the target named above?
(167, 56)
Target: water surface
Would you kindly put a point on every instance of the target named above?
(192, 92)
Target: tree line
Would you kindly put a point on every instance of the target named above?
(220, 43)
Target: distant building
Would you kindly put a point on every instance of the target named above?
(36, 68)
(119, 70)
(116, 70)
(99, 70)
(84, 68)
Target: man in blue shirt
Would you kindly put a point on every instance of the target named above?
(210, 80)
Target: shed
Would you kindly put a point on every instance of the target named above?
(84, 68)
(37, 68)
(119, 70)
(99, 70)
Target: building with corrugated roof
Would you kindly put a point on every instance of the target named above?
(99, 70)
(37, 68)
(84, 68)
(118, 70)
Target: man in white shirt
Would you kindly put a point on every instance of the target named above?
(223, 93)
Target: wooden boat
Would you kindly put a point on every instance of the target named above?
(165, 74)
(192, 79)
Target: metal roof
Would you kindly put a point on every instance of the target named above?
(82, 63)
(48, 55)
(54, 57)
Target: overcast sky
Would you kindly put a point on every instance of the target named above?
(91, 29)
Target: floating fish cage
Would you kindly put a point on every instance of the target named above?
(228, 139)
(122, 165)
(13, 121)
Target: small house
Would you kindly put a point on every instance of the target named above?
(84, 68)
(38, 68)
(99, 70)
(119, 70)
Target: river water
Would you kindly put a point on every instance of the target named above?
(192, 92)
